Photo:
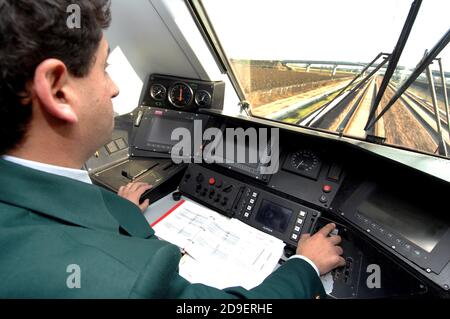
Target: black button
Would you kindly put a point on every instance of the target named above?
(200, 178)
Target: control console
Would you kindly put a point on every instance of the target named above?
(278, 216)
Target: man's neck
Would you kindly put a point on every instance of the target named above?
(50, 158)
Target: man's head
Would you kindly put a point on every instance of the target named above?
(53, 85)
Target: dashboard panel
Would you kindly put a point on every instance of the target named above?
(389, 215)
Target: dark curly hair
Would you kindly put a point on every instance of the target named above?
(32, 31)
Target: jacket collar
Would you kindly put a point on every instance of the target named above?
(69, 200)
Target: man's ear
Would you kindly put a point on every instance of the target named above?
(50, 84)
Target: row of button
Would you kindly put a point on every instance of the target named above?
(250, 204)
(116, 145)
(397, 241)
(212, 195)
(298, 225)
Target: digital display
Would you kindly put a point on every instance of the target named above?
(155, 133)
(411, 220)
(160, 129)
(274, 216)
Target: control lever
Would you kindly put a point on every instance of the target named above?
(138, 119)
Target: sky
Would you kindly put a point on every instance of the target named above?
(340, 30)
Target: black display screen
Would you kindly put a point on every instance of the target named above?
(274, 216)
(411, 220)
(155, 133)
(160, 129)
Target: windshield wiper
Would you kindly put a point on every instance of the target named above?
(395, 57)
(426, 61)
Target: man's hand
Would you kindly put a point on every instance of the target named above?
(133, 193)
(322, 250)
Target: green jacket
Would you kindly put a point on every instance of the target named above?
(49, 222)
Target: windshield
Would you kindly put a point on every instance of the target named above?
(320, 64)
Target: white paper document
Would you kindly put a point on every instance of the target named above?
(220, 252)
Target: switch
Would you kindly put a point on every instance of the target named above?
(112, 147)
(138, 119)
(228, 189)
(335, 172)
(121, 144)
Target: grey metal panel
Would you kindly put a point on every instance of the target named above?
(145, 40)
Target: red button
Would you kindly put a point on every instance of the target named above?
(326, 188)
(212, 181)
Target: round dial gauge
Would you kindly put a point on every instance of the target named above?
(180, 95)
(158, 92)
(203, 98)
(304, 161)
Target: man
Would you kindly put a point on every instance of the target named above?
(61, 236)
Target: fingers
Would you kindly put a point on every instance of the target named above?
(133, 193)
(132, 187)
(335, 240)
(341, 262)
(327, 229)
(121, 190)
(339, 250)
(140, 191)
(144, 205)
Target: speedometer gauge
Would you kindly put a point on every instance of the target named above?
(203, 98)
(180, 95)
(158, 92)
(303, 162)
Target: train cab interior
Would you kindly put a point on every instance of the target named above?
(287, 115)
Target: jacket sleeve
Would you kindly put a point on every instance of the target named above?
(294, 279)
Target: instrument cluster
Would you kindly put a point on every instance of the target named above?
(182, 94)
